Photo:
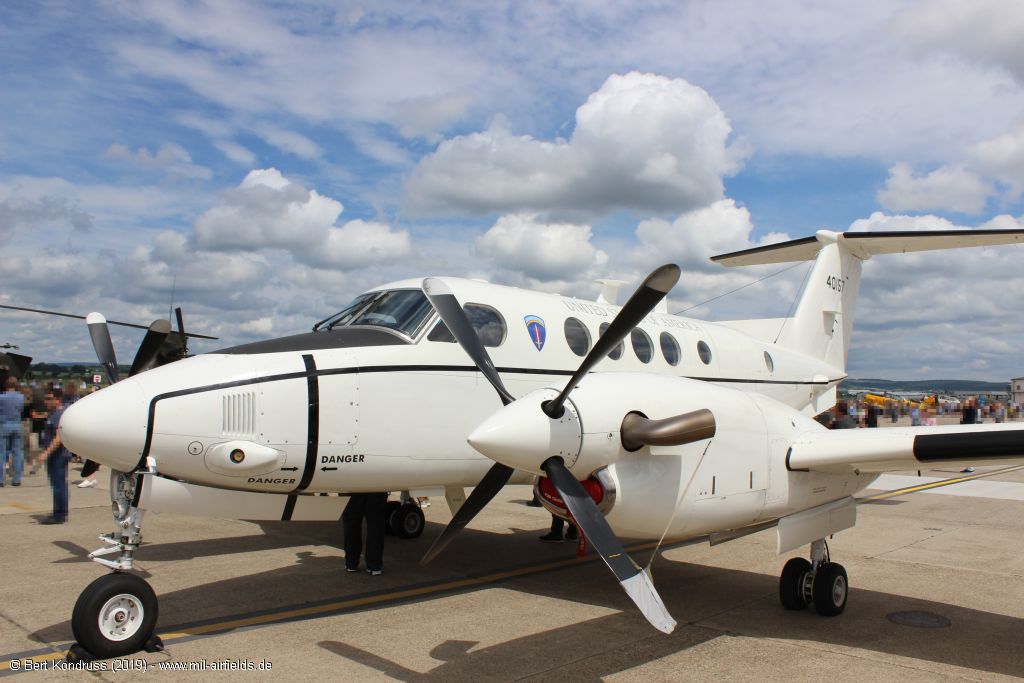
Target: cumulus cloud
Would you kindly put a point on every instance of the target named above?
(641, 141)
(1002, 157)
(947, 188)
(358, 244)
(542, 251)
(171, 158)
(269, 211)
(696, 235)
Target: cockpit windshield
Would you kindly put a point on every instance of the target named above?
(402, 310)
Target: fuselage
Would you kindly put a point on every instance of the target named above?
(385, 402)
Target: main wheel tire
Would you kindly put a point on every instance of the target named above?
(391, 515)
(830, 589)
(791, 583)
(409, 522)
(115, 615)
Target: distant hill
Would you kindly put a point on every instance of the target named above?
(945, 386)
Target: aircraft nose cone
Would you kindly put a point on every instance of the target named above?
(522, 436)
(109, 426)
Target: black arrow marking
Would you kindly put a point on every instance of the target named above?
(289, 469)
(324, 469)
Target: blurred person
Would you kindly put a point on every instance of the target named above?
(26, 422)
(555, 535)
(970, 412)
(372, 507)
(12, 405)
(56, 458)
(841, 418)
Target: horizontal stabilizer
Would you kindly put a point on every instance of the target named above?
(903, 448)
(867, 244)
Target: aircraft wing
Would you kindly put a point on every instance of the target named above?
(907, 448)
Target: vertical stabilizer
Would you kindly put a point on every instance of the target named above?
(824, 317)
(823, 321)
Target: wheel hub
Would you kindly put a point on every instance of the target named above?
(121, 617)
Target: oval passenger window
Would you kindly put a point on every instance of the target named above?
(577, 336)
(642, 346)
(704, 351)
(670, 348)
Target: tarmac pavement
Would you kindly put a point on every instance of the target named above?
(936, 594)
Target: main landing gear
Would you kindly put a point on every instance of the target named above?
(404, 519)
(819, 581)
(116, 614)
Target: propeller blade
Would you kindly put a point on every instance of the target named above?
(639, 431)
(450, 310)
(100, 334)
(181, 331)
(635, 581)
(643, 301)
(488, 487)
(150, 345)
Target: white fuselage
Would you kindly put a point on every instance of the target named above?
(387, 411)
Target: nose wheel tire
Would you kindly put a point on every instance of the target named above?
(830, 589)
(793, 584)
(115, 615)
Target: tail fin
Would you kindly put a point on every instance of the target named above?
(823, 321)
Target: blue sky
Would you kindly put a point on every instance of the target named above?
(261, 163)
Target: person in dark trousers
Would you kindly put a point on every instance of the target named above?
(371, 507)
(57, 458)
(555, 536)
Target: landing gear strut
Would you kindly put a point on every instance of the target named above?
(819, 581)
(116, 614)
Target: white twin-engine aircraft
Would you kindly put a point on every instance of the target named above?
(684, 430)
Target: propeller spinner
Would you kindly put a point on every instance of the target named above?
(533, 446)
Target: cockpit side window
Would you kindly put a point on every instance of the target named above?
(346, 313)
(488, 323)
(402, 310)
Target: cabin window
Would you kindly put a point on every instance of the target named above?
(704, 351)
(670, 348)
(768, 362)
(488, 323)
(615, 353)
(577, 335)
(642, 346)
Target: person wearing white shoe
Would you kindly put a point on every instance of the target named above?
(87, 483)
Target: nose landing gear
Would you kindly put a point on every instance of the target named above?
(819, 581)
(116, 614)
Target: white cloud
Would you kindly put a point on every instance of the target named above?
(948, 188)
(260, 326)
(171, 158)
(1002, 157)
(289, 141)
(696, 235)
(236, 152)
(32, 213)
(641, 141)
(985, 31)
(543, 251)
(359, 244)
(267, 210)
